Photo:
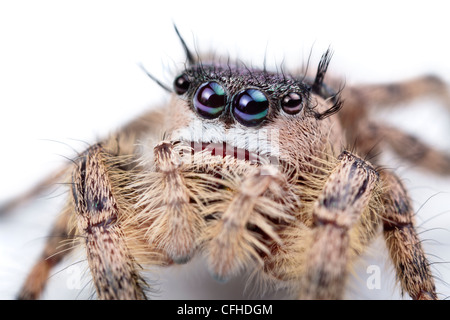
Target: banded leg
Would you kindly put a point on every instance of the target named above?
(54, 251)
(368, 137)
(340, 205)
(405, 249)
(396, 93)
(98, 213)
(411, 148)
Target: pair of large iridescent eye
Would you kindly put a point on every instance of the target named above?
(250, 107)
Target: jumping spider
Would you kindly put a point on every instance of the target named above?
(250, 169)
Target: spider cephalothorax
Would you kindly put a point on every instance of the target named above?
(230, 106)
(252, 172)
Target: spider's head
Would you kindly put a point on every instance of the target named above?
(243, 112)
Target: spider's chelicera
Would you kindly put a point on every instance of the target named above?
(253, 173)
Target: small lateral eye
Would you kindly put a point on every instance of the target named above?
(210, 100)
(250, 107)
(292, 103)
(181, 84)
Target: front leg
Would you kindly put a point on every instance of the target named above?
(175, 221)
(342, 202)
(411, 265)
(98, 214)
(233, 240)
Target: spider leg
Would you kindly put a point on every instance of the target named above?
(175, 222)
(232, 244)
(397, 93)
(98, 214)
(411, 148)
(412, 267)
(123, 142)
(373, 137)
(369, 136)
(147, 123)
(341, 204)
(24, 198)
(50, 257)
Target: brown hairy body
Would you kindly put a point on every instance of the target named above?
(253, 170)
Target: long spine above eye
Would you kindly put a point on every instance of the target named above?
(189, 55)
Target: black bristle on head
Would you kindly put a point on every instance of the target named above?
(321, 71)
(321, 89)
(335, 108)
(159, 83)
(189, 56)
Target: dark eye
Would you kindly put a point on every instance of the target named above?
(210, 100)
(292, 103)
(181, 84)
(250, 107)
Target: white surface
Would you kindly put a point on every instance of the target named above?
(68, 73)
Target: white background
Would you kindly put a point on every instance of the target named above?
(68, 75)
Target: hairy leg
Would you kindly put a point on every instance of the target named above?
(374, 137)
(368, 136)
(342, 202)
(411, 265)
(173, 222)
(63, 237)
(98, 213)
(232, 243)
(413, 150)
(52, 254)
(24, 198)
(149, 123)
(396, 93)
(360, 100)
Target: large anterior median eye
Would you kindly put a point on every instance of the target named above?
(210, 100)
(250, 107)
